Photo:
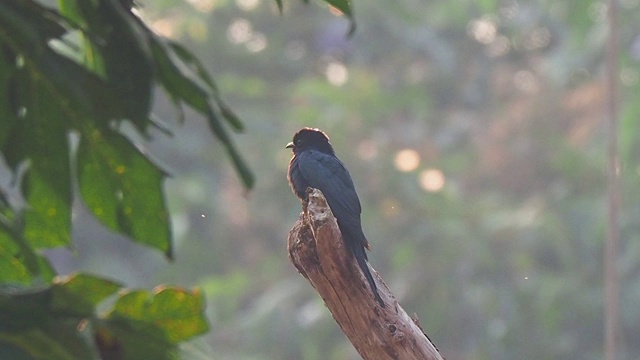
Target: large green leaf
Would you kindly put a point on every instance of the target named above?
(80, 294)
(184, 84)
(123, 188)
(19, 263)
(126, 58)
(7, 108)
(47, 184)
(27, 22)
(143, 325)
(125, 339)
(177, 312)
(193, 63)
(13, 267)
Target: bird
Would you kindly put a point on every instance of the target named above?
(314, 164)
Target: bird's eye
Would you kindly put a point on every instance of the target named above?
(298, 142)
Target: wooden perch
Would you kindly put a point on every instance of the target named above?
(316, 249)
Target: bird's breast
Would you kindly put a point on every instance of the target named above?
(297, 182)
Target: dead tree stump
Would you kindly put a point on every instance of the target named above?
(316, 249)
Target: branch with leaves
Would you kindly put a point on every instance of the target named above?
(79, 72)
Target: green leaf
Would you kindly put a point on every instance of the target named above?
(184, 85)
(128, 62)
(80, 294)
(29, 22)
(123, 188)
(13, 268)
(193, 62)
(15, 146)
(132, 340)
(23, 308)
(344, 6)
(45, 323)
(47, 184)
(62, 320)
(177, 77)
(241, 167)
(47, 221)
(177, 313)
(37, 344)
(7, 113)
(46, 272)
(131, 305)
(71, 11)
(19, 263)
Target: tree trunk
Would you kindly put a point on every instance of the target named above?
(316, 249)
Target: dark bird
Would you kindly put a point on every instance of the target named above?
(314, 164)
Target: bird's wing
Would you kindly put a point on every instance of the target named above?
(328, 174)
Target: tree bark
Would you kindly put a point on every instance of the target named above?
(316, 249)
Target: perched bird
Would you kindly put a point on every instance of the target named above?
(314, 164)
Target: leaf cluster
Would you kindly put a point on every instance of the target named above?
(60, 322)
(71, 79)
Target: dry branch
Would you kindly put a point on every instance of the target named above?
(316, 249)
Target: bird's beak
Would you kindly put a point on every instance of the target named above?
(289, 146)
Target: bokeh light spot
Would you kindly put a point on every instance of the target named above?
(432, 180)
(240, 31)
(336, 73)
(407, 160)
(257, 43)
(483, 31)
(247, 5)
(205, 6)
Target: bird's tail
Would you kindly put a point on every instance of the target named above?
(361, 258)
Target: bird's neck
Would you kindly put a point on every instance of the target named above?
(326, 149)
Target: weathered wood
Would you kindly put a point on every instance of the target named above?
(316, 249)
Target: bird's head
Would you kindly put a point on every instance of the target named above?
(310, 139)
